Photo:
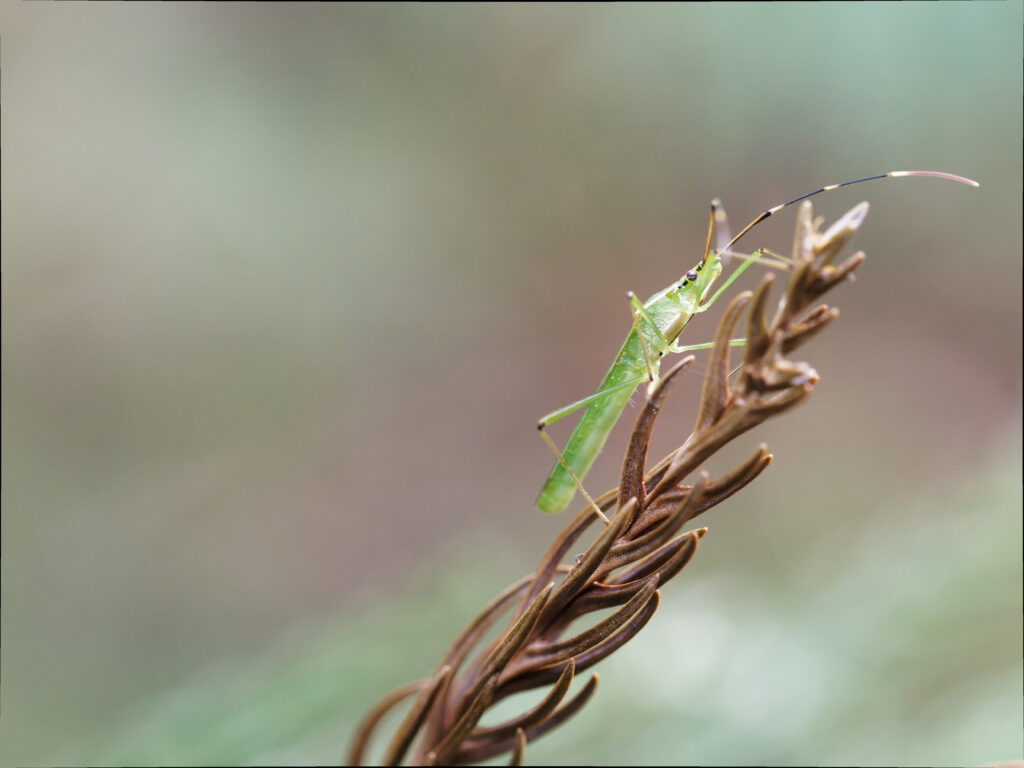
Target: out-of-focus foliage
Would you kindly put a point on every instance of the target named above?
(252, 254)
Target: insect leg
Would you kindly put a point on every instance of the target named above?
(571, 408)
(729, 280)
(777, 260)
(641, 314)
(707, 345)
(561, 413)
(575, 480)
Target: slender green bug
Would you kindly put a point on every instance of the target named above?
(657, 323)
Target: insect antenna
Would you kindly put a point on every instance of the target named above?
(777, 208)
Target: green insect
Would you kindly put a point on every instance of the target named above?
(657, 323)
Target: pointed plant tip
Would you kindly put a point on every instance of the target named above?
(857, 214)
(700, 532)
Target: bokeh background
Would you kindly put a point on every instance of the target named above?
(285, 289)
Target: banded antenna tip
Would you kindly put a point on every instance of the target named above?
(938, 175)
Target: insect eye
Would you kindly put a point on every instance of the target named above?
(691, 275)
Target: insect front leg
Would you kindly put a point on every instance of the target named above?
(729, 280)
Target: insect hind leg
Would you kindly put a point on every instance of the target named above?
(576, 481)
(559, 456)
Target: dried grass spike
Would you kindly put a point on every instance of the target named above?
(632, 558)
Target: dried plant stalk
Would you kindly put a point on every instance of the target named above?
(638, 551)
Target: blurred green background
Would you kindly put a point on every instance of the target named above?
(285, 289)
